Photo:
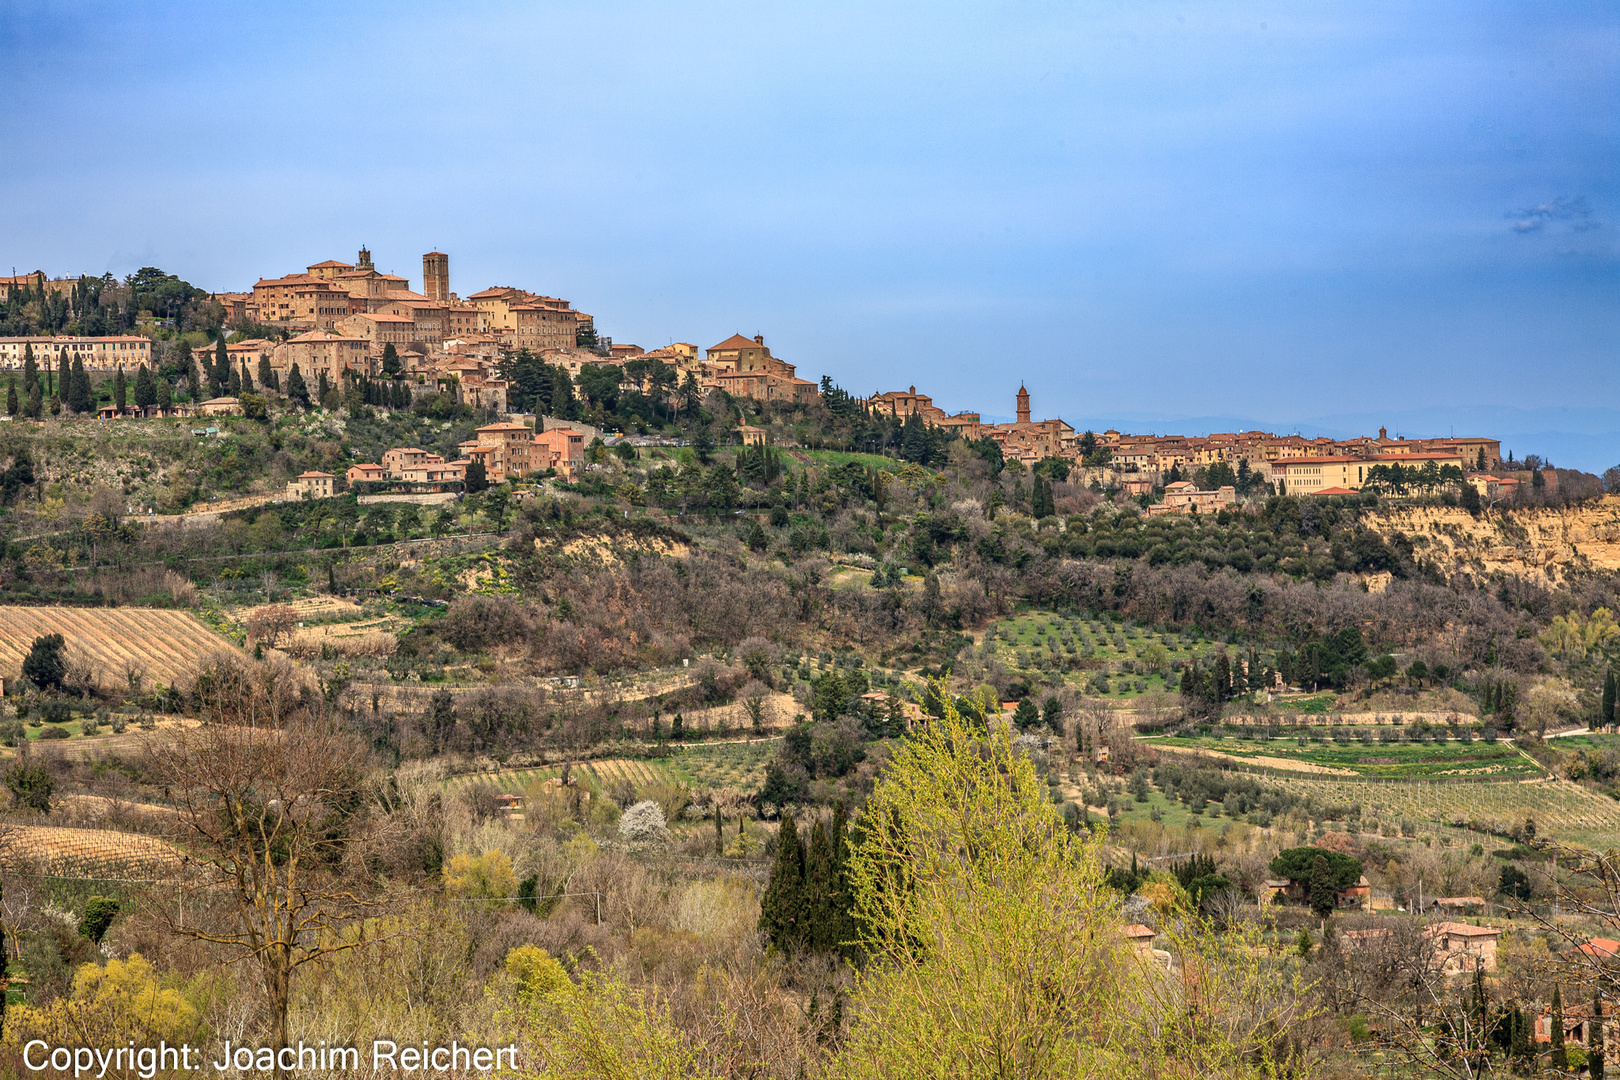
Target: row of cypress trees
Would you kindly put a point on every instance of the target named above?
(808, 903)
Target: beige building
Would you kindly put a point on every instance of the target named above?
(906, 403)
(220, 406)
(1310, 475)
(21, 282)
(311, 485)
(98, 353)
(365, 473)
(379, 329)
(300, 300)
(1184, 497)
(766, 386)
(316, 353)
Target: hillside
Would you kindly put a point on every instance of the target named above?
(1542, 544)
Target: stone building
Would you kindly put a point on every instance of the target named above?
(311, 485)
(316, 353)
(128, 351)
(1030, 441)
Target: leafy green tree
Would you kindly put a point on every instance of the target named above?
(30, 785)
(477, 478)
(1026, 715)
(1299, 865)
(99, 913)
(390, 361)
(46, 663)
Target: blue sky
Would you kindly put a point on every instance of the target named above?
(1165, 216)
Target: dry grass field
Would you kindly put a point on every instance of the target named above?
(159, 645)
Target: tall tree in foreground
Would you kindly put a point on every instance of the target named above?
(994, 945)
(265, 795)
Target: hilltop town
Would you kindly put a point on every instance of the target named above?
(341, 333)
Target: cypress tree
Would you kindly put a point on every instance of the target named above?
(296, 390)
(1324, 892)
(77, 390)
(719, 831)
(165, 395)
(840, 926)
(120, 389)
(1594, 1038)
(233, 380)
(12, 407)
(782, 907)
(818, 888)
(30, 370)
(36, 402)
(267, 377)
(145, 391)
(220, 378)
(1609, 689)
(1520, 1049)
(1559, 1059)
(246, 377)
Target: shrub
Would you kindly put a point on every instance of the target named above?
(54, 733)
(643, 823)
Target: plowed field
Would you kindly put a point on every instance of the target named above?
(162, 645)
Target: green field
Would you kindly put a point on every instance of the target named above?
(1083, 647)
(1388, 761)
(1586, 742)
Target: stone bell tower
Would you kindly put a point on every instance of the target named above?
(436, 276)
(1023, 404)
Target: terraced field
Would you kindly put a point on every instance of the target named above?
(717, 765)
(1560, 810)
(725, 765)
(160, 645)
(86, 853)
(1134, 659)
(595, 775)
(1433, 761)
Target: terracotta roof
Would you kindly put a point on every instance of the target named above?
(314, 475)
(1458, 929)
(1601, 948)
(1334, 491)
(735, 341)
(1137, 930)
(438, 253)
(332, 262)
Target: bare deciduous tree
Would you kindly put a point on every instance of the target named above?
(267, 797)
